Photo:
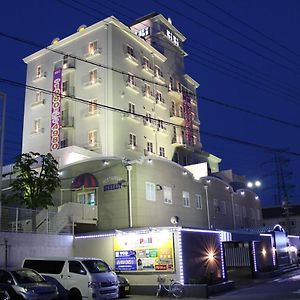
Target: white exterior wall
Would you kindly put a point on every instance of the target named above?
(113, 128)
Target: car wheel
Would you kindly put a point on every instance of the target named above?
(75, 294)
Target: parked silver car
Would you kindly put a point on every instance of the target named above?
(26, 284)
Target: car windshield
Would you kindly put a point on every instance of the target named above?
(27, 276)
(96, 266)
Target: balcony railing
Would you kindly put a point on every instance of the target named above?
(132, 59)
(93, 53)
(130, 84)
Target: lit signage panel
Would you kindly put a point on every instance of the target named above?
(143, 32)
(151, 252)
(56, 109)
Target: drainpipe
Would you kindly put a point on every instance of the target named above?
(129, 168)
(207, 206)
(233, 212)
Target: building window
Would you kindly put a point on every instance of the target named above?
(162, 152)
(216, 205)
(150, 147)
(223, 207)
(157, 71)
(93, 47)
(130, 51)
(131, 107)
(132, 139)
(148, 118)
(147, 90)
(236, 210)
(38, 97)
(186, 199)
(37, 125)
(159, 97)
(160, 124)
(167, 191)
(92, 137)
(131, 79)
(171, 84)
(92, 106)
(93, 76)
(198, 201)
(146, 63)
(65, 87)
(150, 191)
(38, 71)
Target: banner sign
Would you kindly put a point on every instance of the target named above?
(151, 252)
(188, 118)
(56, 109)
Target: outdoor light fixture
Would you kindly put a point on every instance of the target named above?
(256, 198)
(149, 160)
(264, 252)
(249, 184)
(158, 187)
(257, 183)
(242, 193)
(105, 163)
(184, 172)
(208, 181)
(211, 256)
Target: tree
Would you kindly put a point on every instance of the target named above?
(36, 180)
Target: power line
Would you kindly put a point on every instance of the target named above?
(249, 112)
(252, 28)
(119, 110)
(227, 38)
(239, 32)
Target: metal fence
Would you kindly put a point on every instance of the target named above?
(14, 219)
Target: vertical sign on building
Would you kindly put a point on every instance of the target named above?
(56, 109)
(188, 118)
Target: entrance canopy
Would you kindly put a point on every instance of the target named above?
(85, 180)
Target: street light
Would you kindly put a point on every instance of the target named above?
(255, 184)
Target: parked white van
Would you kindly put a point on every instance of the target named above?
(77, 278)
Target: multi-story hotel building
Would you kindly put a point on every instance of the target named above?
(115, 108)
(136, 98)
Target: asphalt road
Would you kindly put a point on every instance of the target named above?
(285, 287)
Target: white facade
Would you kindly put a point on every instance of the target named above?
(121, 69)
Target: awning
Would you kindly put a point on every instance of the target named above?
(85, 180)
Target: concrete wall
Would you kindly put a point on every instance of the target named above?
(21, 245)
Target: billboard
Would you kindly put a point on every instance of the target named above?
(144, 252)
(56, 109)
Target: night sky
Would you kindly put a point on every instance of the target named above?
(244, 54)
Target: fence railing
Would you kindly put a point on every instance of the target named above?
(14, 219)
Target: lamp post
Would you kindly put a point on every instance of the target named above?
(129, 195)
(207, 205)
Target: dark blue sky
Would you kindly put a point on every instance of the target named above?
(252, 63)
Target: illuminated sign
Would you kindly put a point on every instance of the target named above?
(143, 32)
(113, 183)
(172, 38)
(144, 252)
(56, 109)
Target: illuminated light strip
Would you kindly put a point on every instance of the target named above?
(265, 234)
(95, 236)
(199, 230)
(294, 236)
(222, 255)
(254, 257)
(181, 274)
(225, 236)
(274, 256)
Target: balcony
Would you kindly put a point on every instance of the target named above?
(178, 141)
(92, 146)
(147, 121)
(93, 53)
(93, 82)
(148, 68)
(38, 102)
(160, 78)
(148, 95)
(92, 112)
(160, 101)
(69, 92)
(132, 117)
(132, 147)
(39, 76)
(132, 59)
(176, 117)
(174, 93)
(37, 131)
(67, 122)
(67, 64)
(131, 85)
